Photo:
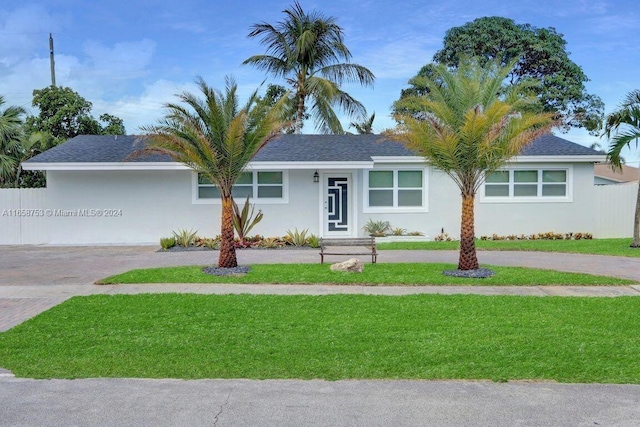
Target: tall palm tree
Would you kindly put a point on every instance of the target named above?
(624, 123)
(306, 49)
(470, 124)
(215, 138)
(10, 135)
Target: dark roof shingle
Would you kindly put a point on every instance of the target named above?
(286, 148)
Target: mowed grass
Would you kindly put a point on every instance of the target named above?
(330, 337)
(373, 274)
(612, 247)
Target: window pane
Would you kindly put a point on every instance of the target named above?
(410, 179)
(270, 191)
(380, 179)
(245, 178)
(525, 190)
(496, 190)
(500, 176)
(554, 176)
(380, 197)
(409, 197)
(525, 176)
(554, 190)
(269, 177)
(242, 191)
(208, 193)
(203, 179)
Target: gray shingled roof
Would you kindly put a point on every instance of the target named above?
(287, 148)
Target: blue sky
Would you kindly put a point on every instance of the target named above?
(128, 58)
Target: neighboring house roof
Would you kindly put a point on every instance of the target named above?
(628, 173)
(91, 151)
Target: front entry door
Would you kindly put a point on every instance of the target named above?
(337, 205)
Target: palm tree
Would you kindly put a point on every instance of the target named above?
(364, 127)
(624, 123)
(10, 135)
(215, 138)
(305, 50)
(470, 124)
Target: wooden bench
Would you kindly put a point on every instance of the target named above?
(366, 242)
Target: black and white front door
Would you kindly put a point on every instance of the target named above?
(337, 204)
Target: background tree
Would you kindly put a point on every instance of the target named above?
(468, 125)
(306, 49)
(64, 114)
(216, 138)
(10, 136)
(624, 125)
(541, 55)
(365, 126)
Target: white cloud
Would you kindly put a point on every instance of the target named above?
(145, 109)
(124, 60)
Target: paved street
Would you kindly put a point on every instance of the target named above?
(33, 279)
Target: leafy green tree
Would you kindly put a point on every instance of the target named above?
(113, 125)
(306, 49)
(541, 56)
(10, 136)
(468, 124)
(64, 114)
(216, 138)
(624, 125)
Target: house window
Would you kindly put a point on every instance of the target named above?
(527, 183)
(255, 184)
(395, 189)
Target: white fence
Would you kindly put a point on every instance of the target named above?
(24, 220)
(22, 217)
(614, 207)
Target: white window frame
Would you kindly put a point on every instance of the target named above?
(568, 197)
(258, 200)
(395, 208)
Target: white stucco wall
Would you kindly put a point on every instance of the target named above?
(149, 205)
(155, 203)
(503, 218)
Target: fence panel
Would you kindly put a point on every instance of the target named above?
(614, 210)
(22, 216)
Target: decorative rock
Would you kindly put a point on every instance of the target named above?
(240, 270)
(352, 265)
(480, 273)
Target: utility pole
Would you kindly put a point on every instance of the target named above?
(52, 61)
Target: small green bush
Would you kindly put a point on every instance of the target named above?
(297, 238)
(167, 242)
(313, 241)
(185, 238)
(376, 228)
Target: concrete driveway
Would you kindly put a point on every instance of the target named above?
(35, 278)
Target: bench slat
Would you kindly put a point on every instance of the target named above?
(365, 242)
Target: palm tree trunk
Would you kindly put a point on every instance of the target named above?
(468, 259)
(636, 222)
(227, 257)
(299, 114)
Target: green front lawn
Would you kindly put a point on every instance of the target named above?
(613, 247)
(330, 337)
(373, 274)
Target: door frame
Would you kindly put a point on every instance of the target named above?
(352, 207)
